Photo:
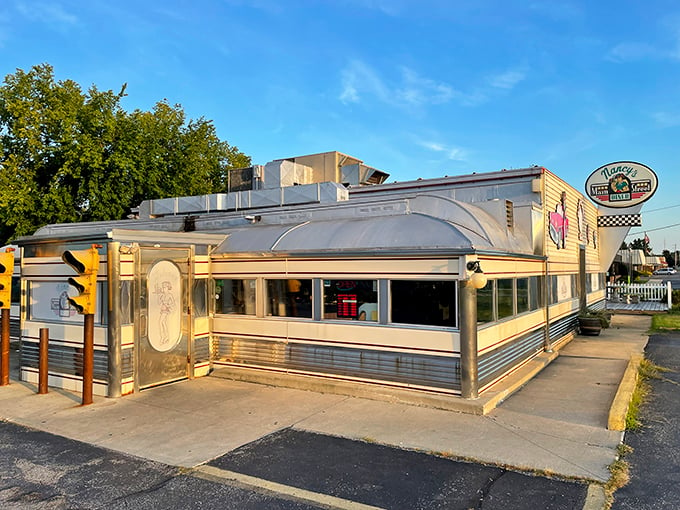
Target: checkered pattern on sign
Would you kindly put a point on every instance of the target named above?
(620, 220)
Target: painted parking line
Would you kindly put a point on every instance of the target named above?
(222, 475)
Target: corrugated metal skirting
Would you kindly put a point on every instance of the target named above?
(494, 364)
(390, 366)
(62, 359)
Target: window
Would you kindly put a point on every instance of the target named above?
(553, 289)
(431, 303)
(506, 298)
(200, 297)
(485, 306)
(48, 301)
(562, 287)
(350, 299)
(289, 298)
(535, 292)
(235, 296)
(522, 295)
(127, 315)
(16, 290)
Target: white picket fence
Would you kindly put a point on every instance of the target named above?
(636, 292)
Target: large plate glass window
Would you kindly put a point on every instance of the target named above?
(522, 295)
(430, 303)
(535, 292)
(235, 296)
(485, 306)
(350, 300)
(289, 298)
(504, 288)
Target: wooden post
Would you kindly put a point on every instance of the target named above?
(43, 360)
(88, 358)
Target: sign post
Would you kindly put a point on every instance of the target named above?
(6, 271)
(86, 264)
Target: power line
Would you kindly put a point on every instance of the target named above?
(653, 230)
(661, 208)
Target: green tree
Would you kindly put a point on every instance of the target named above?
(70, 156)
(641, 244)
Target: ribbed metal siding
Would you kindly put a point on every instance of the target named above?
(202, 349)
(127, 363)
(15, 328)
(63, 359)
(562, 328)
(600, 305)
(397, 367)
(494, 364)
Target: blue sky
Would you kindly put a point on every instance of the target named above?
(417, 88)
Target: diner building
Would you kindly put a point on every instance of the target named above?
(315, 268)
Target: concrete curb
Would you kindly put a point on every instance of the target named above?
(596, 499)
(619, 407)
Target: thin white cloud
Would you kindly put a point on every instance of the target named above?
(451, 152)
(666, 119)
(631, 51)
(416, 90)
(360, 81)
(507, 80)
(52, 13)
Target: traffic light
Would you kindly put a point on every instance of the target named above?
(6, 270)
(86, 264)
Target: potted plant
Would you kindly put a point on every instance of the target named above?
(591, 322)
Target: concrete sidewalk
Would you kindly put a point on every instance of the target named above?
(555, 424)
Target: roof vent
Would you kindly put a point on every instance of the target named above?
(509, 214)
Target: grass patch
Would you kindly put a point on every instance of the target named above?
(666, 322)
(646, 371)
(620, 469)
(620, 474)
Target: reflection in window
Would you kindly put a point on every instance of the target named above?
(350, 299)
(522, 295)
(126, 309)
(504, 288)
(289, 298)
(16, 290)
(200, 297)
(553, 289)
(485, 302)
(235, 296)
(431, 303)
(535, 292)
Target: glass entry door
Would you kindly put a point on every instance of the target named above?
(163, 326)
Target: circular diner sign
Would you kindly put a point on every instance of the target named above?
(621, 184)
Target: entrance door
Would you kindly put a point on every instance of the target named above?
(163, 329)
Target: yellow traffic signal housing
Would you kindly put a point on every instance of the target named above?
(86, 264)
(6, 271)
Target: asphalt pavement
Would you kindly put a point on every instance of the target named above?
(655, 459)
(554, 426)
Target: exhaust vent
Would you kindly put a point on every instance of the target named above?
(509, 214)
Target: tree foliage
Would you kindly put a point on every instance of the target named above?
(71, 156)
(641, 244)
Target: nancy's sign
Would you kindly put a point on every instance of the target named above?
(621, 184)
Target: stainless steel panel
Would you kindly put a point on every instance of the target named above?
(396, 367)
(163, 325)
(508, 356)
